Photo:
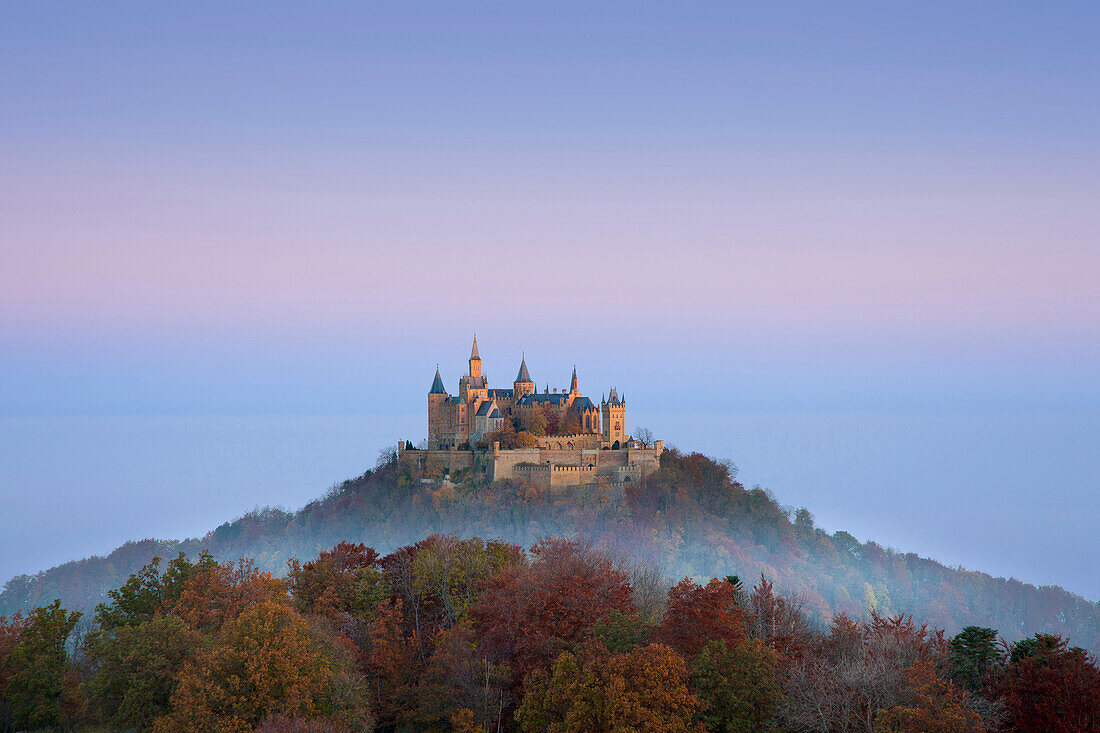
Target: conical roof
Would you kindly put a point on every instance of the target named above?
(437, 385)
(473, 352)
(524, 375)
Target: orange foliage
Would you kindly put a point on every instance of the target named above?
(267, 662)
(940, 707)
(215, 594)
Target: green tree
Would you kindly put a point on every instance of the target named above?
(736, 686)
(620, 632)
(136, 669)
(975, 657)
(42, 689)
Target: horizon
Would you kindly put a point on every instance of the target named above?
(852, 250)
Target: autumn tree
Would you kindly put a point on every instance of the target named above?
(778, 621)
(859, 669)
(525, 439)
(40, 686)
(448, 573)
(459, 683)
(553, 420)
(529, 615)
(392, 662)
(736, 686)
(533, 421)
(937, 706)
(215, 594)
(699, 614)
(136, 668)
(267, 662)
(1049, 686)
(644, 691)
(345, 579)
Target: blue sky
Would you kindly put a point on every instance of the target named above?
(737, 211)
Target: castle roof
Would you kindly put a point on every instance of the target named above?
(437, 384)
(613, 397)
(524, 375)
(495, 414)
(485, 407)
(536, 398)
(473, 352)
(475, 382)
(583, 403)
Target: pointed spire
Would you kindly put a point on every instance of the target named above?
(473, 352)
(573, 384)
(437, 385)
(524, 375)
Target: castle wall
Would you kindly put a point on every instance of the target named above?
(569, 442)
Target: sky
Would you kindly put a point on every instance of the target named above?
(852, 247)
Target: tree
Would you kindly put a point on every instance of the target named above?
(41, 687)
(553, 420)
(267, 662)
(147, 592)
(345, 579)
(525, 439)
(620, 632)
(699, 614)
(937, 707)
(643, 437)
(529, 615)
(736, 686)
(458, 678)
(643, 691)
(533, 421)
(448, 573)
(136, 669)
(1049, 686)
(214, 594)
(975, 657)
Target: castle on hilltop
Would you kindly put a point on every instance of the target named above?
(550, 438)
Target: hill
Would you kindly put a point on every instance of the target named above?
(689, 519)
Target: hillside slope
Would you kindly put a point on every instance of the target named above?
(691, 518)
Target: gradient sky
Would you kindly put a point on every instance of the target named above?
(860, 240)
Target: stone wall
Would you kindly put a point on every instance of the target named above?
(542, 466)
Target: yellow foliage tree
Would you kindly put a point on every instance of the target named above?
(268, 662)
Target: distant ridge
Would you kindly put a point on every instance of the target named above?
(691, 518)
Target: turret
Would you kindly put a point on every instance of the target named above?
(523, 384)
(475, 360)
(573, 385)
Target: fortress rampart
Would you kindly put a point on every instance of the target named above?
(545, 467)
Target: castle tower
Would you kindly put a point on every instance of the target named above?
(437, 395)
(523, 384)
(613, 417)
(573, 385)
(475, 361)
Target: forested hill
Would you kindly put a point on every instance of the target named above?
(691, 518)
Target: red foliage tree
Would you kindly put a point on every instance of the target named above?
(1048, 686)
(529, 615)
(340, 580)
(698, 614)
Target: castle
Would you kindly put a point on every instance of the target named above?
(552, 438)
